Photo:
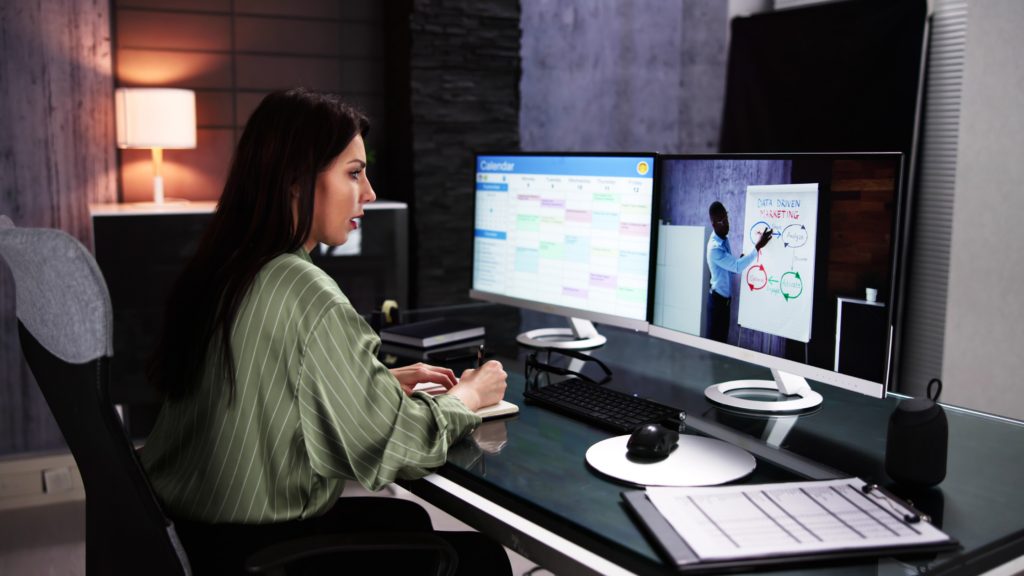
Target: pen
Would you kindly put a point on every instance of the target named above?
(480, 356)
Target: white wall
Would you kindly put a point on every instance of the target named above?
(983, 362)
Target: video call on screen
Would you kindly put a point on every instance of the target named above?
(832, 224)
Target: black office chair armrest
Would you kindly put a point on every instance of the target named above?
(272, 560)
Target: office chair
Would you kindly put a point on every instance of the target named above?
(65, 327)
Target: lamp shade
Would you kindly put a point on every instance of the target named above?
(155, 118)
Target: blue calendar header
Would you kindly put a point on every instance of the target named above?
(491, 187)
(593, 166)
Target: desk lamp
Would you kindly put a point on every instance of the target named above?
(156, 118)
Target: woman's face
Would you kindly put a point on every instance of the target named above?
(341, 191)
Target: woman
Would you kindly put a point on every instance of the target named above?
(274, 394)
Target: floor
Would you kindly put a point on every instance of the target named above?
(50, 540)
(44, 540)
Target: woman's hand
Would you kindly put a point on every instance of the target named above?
(410, 376)
(481, 387)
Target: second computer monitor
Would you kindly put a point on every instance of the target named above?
(568, 234)
(818, 299)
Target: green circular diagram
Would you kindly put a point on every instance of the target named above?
(793, 284)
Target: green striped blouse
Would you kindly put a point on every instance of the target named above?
(312, 408)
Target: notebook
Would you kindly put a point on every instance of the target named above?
(431, 333)
(502, 409)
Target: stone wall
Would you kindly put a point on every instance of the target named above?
(464, 77)
(623, 75)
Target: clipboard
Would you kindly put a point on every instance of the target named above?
(677, 553)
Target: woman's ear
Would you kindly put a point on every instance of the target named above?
(294, 190)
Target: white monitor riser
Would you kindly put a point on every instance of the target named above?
(582, 335)
(803, 398)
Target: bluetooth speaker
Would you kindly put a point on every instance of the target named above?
(917, 441)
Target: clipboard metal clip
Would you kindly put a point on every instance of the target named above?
(911, 518)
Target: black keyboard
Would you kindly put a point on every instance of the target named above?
(602, 407)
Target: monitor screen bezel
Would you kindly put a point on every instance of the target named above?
(897, 254)
(599, 317)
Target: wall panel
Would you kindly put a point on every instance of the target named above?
(232, 53)
(361, 39)
(984, 329)
(152, 29)
(259, 34)
(178, 5)
(214, 109)
(245, 103)
(273, 72)
(173, 69)
(924, 316)
(319, 9)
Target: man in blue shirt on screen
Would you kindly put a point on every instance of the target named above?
(723, 265)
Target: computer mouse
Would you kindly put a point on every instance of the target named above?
(652, 441)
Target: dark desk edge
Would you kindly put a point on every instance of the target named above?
(658, 530)
(609, 550)
(985, 558)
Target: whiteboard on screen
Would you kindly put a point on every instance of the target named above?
(683, 277)
(777, 290)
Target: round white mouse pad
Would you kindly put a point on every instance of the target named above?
(696, 461)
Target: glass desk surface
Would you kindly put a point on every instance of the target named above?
(540, 471)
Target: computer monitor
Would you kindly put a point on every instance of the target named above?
(567, 234)
(818, 301)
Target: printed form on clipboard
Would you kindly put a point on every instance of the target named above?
(792, 519)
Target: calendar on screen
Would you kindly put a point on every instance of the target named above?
(571, 231)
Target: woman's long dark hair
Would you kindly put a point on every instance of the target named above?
(293, 136)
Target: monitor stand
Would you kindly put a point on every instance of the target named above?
(582, 335)
(801, 397)
(777, 429)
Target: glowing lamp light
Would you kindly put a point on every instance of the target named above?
(155, 118)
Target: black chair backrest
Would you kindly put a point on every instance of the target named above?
(65, 327)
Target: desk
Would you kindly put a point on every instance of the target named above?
(538, 497)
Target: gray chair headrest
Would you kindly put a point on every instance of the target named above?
(61, 296)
